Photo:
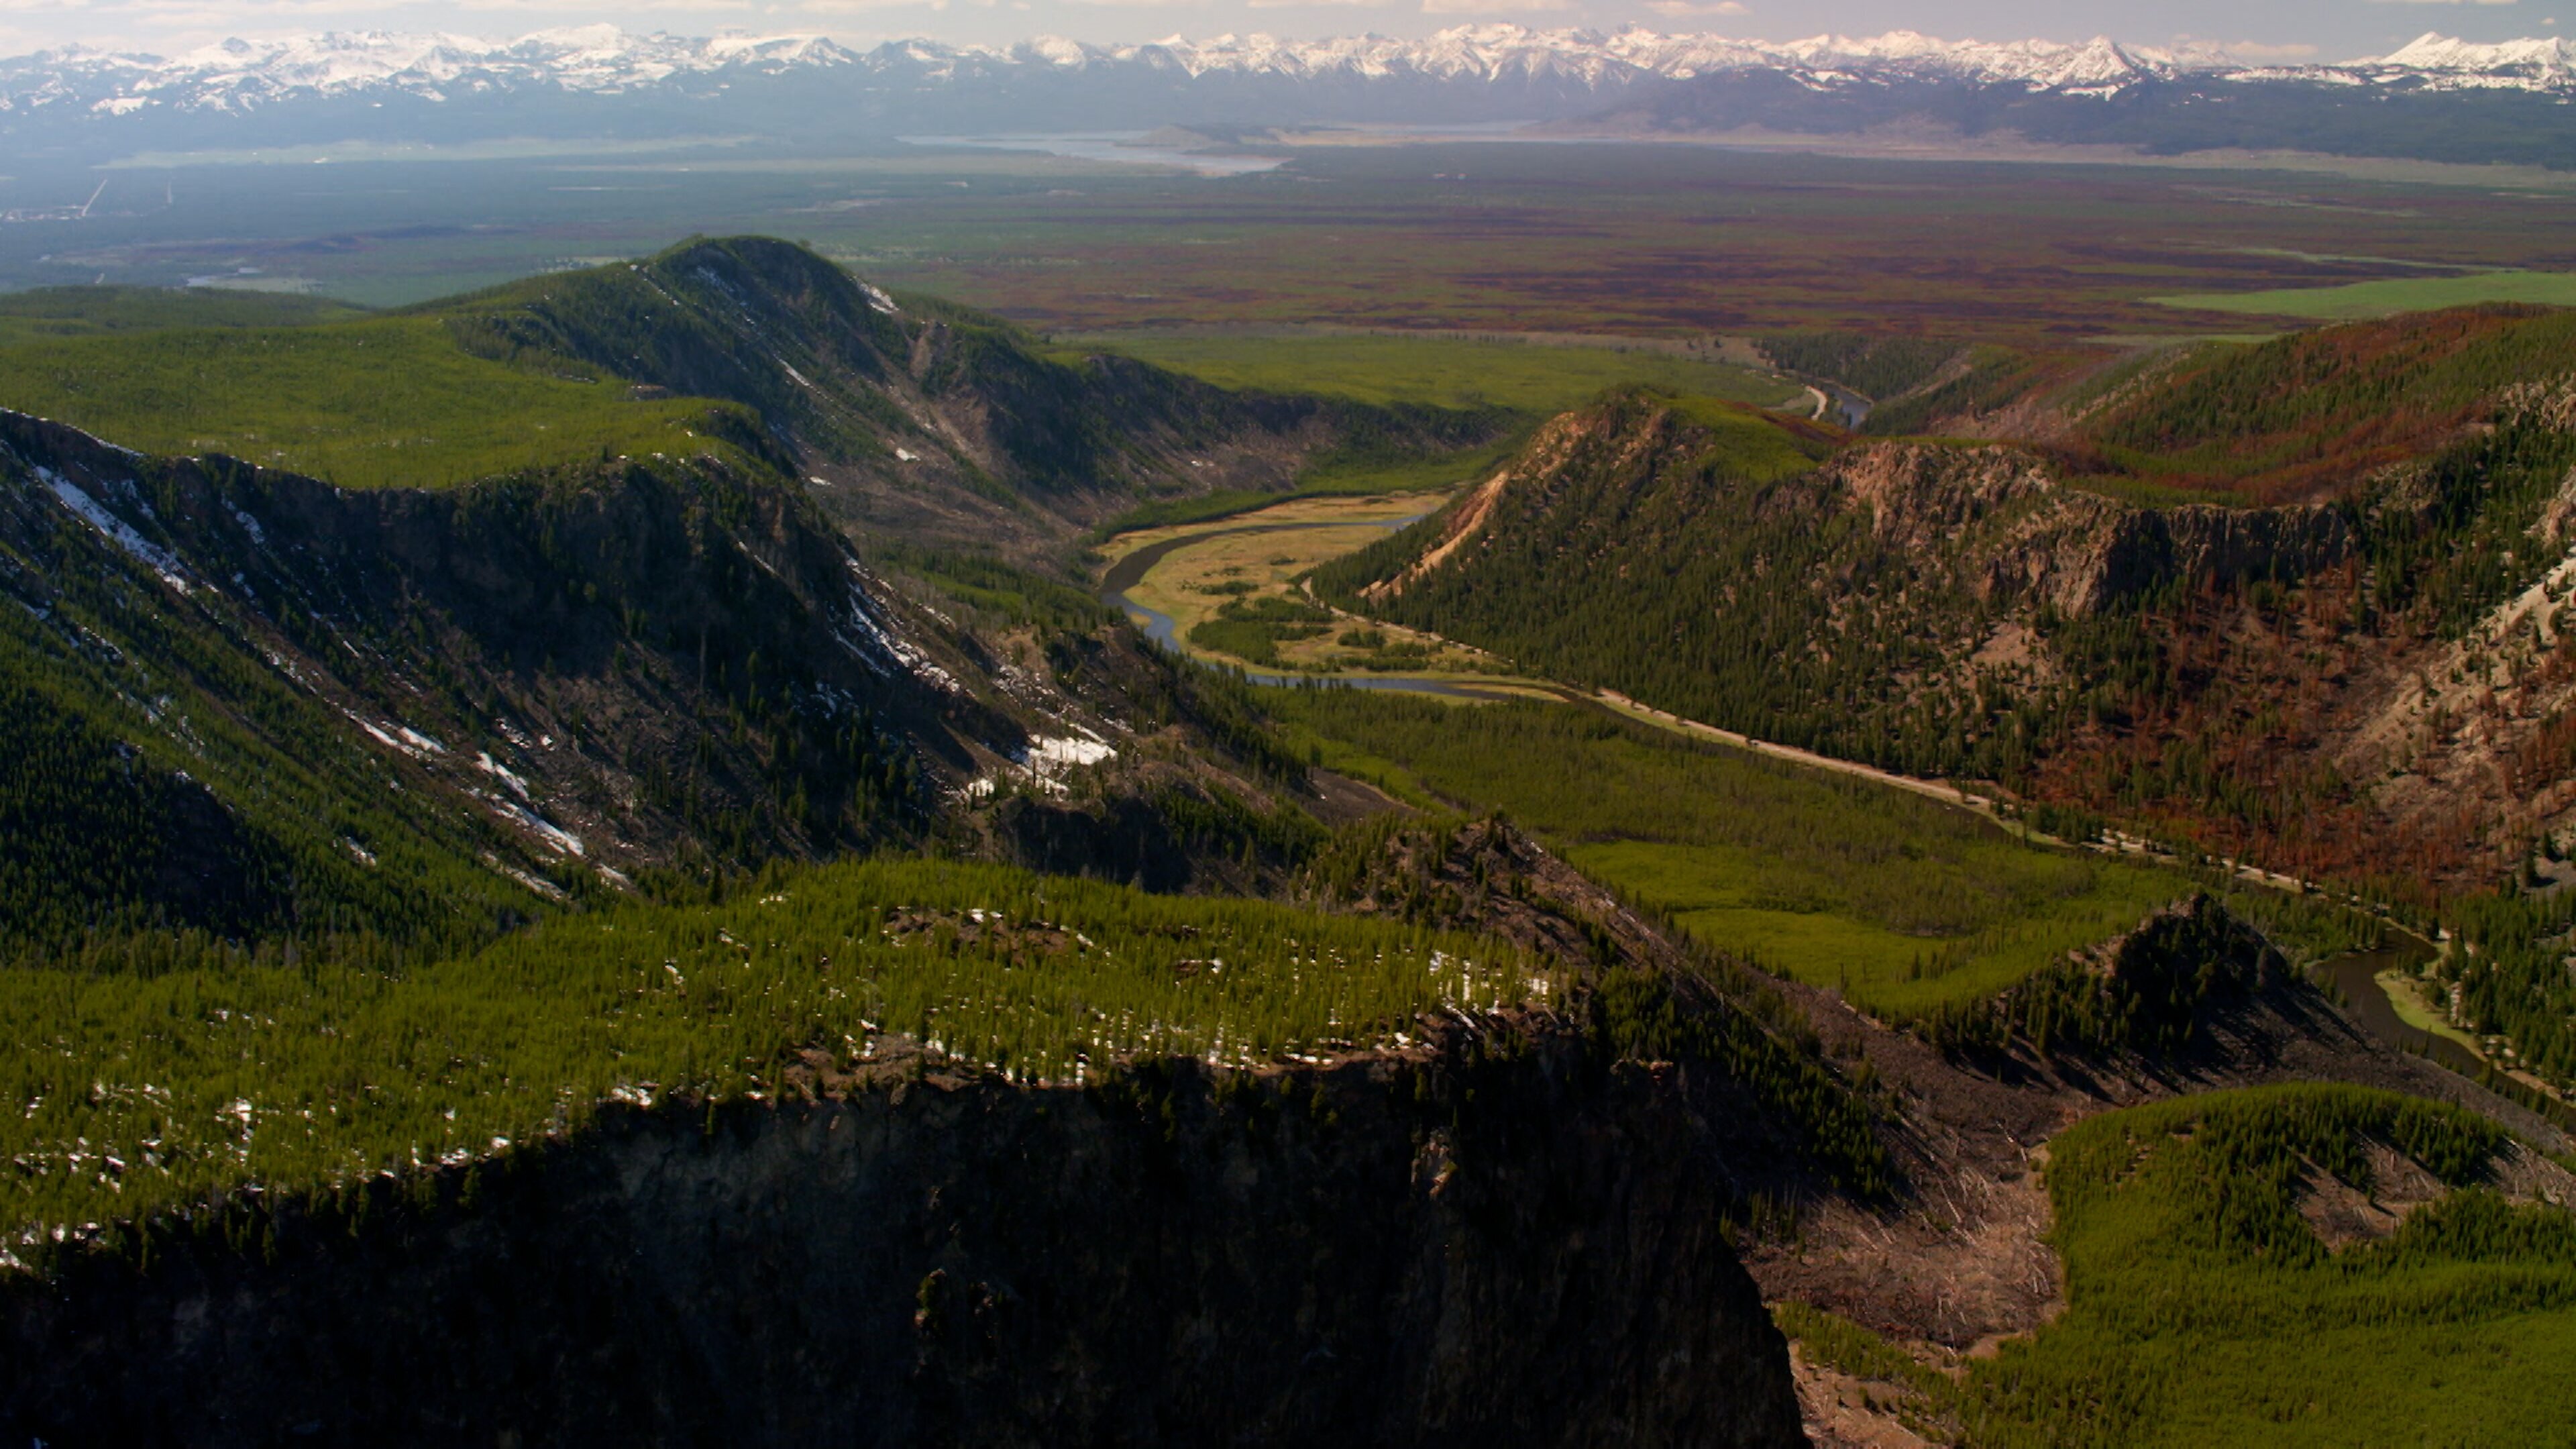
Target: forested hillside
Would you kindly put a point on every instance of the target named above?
(245, 703)
(621, 570)
(919, 416)
(913, 416)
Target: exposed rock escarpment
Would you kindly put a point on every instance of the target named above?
(2077, 552)
(1505, 1241)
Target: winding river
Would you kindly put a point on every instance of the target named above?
(1849, 408)
(2356, 979)
(1163, 630)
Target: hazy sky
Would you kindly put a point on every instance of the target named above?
(2286, 29)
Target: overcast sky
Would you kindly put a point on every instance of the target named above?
(2283, 29)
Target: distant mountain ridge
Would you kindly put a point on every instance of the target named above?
(441, 87)
(601, 59)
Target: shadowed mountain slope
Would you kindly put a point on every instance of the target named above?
(919, 416)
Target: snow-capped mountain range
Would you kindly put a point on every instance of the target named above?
(239, 76)
(2450, 100)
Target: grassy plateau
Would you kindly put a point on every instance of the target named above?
(381, 402)
(133, 1094)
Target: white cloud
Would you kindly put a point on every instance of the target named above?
(612, 7)
(859, 7)
(2256, 50)
(1679, 9)
(1492, 7)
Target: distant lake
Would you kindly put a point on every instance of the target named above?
(1117, 147)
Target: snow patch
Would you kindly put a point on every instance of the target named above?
(503, 773)
(1063, 752)
(402, 739)
(562, 840)
(116, 530)
(1049, 759)
(538, 884)
(880, 650)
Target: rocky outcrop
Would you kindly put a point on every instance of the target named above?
(1501, 1241)
(2018, 536)
(2222, 547)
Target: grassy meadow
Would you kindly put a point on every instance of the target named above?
(55, 312)
(1903, 904)
(134, 1094)
(2362, 301)
(2203, 1309)
(1332, 479)
(382, 402)
(1233, 597)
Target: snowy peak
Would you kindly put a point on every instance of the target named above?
(243, 74)
(2532, 64)
(240, 75)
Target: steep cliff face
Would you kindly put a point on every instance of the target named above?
(2019, 536)
(1500, 1239)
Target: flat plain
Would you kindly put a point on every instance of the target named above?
(1607, 239)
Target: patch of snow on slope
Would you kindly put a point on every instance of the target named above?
(880, 650)
(116, 530)
(537, 825)
(401, 739)
(503, 773)
(1049, 754)
(1048, 759)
